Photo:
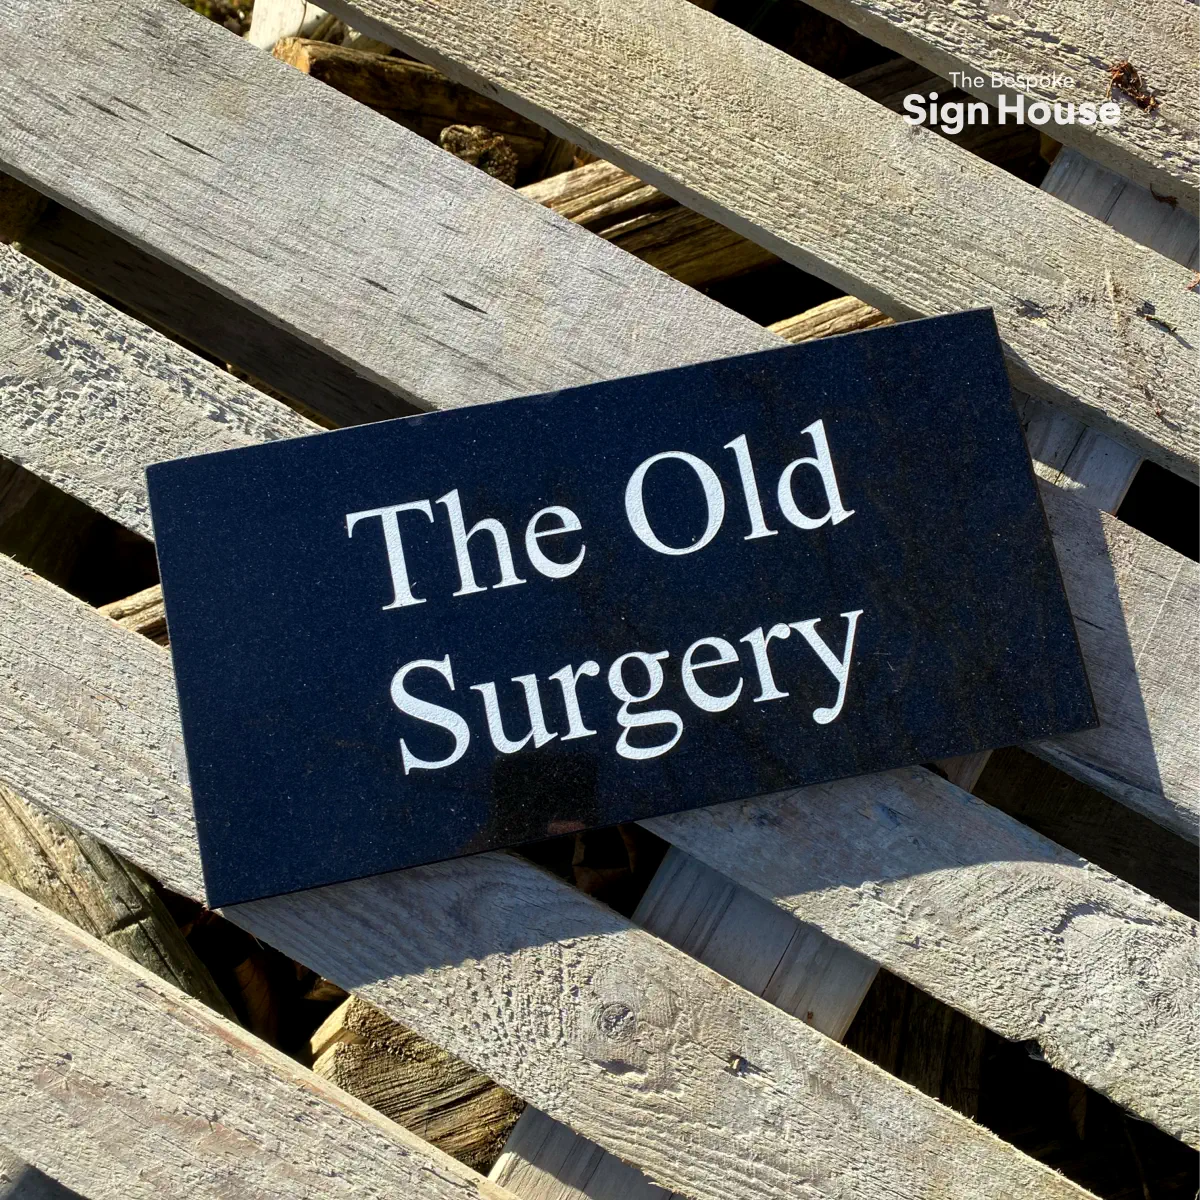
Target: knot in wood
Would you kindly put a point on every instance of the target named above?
(616, 1021)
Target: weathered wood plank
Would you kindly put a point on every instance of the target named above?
(199, 316)
(89, 398)
(78, 359)
(144, 612)
(1066, 451)
(744, 938)
(118, 1084)
(1145, 752)
(1065, 40)
(822, 177)
(473, 293)
(1124, 206)
(961, 900)
(946, 230)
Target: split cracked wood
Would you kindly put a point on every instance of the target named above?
(713, 1091)
(187, 124)
(1065, 41)
(118, 1084)
(75, 876)
(645, 222)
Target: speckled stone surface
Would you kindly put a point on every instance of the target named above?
(312, 752)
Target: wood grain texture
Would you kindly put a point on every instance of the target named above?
(75, 876)
(949, 913)
(195, 314)
(89, 398)
(1067, 452)
(66, 416)
(646, 222)
(1094, 825)
(1145, 752)
(397, 1072)
(742, 937)
(144, 612)
(1125, 206)
(959, 899)
(218, 159)
(819, 175)
(120, 1085)
(842, 315)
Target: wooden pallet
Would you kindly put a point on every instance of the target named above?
(369, 273)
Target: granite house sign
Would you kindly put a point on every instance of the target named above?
(448, 633)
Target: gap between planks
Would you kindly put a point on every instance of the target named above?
(824, 178)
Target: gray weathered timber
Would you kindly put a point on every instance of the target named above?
(194, 141)
(71, 367)
(90, 397)
(821, 176)
(234, 167)
(1124, 206)
(169, 299)
(1013, 930)
(1066, 451)
(118, 1084)
(1065, 39)
(1145, 752)
(917, 855)
(744, 938)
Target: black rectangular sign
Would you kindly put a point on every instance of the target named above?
(447, 633)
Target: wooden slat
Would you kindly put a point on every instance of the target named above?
(822, 177)
(121, 1086)
(1145, 752)
(181, 170)
(90, 398)
(903, 867)
(1129, 209)
(1066, 40)
(711, 1090)
(271, 209)
(168, 299)
(742, 937)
